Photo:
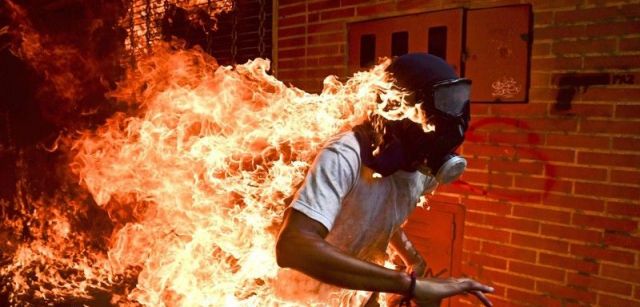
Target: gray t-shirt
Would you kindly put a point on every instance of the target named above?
(360, 211)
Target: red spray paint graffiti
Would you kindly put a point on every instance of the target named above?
(532, 139)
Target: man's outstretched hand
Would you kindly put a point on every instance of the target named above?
(430, 291)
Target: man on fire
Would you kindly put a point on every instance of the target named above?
(364, 184)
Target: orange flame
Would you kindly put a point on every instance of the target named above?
(207, 165)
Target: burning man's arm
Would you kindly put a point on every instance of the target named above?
(301, 246)
(410, 256)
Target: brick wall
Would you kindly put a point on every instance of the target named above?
(554, 198)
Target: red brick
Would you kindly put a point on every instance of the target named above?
(571, 233)
(515, 110)
(537, 271)
(353, 2)
(325, 61)
(629, 274)
(612, 62)
(599, 93)
(609, 126)
(630, 10)
(575, 202)
(581, 295)
(626, 143)
(337, 14)
(626, 241)
(483, 178)
(625, 208)
(518, 195)
(556, 32)
(609, 159)
(545, 4)
(552, 124)
(287, 32)
(538, 79)
(512, 223)
(488, 261)
(486, 233)
(614, 29)
(530, 168)
(474, 217)
(321, 73)
(514, 137)
(471, 245)
(541, 214)
(294, 74)
(508, 279)
(629, 44)
(540, 243)
(376, 9)
(290, 53)
(477, 163)
(587, 15)
(587, 110)
(417, 4)
(607, 223)
(285, 11)
(575, 172)
(530, 298)
(596, 283)
(487, 206)
(577, 141)
(289, 2)
(508, 252)
(471, 149)
(313, 17)
(542, 18)
(569, 263)
(551, 64)
(318, 39)
(630, 177)
(547, 154)
(603, 254)
(335, 49)
(291, 42)
(288, 64)
(291, 21)
(543, 184)
(628, 111)
(540, 50)
(470, 270)
(323, 5)
(608, 190)
(337, 26)
(608, 300)
(585, 46)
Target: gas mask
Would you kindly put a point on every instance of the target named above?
(447, 107)
(445, 100)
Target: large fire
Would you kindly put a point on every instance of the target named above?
(194, 181)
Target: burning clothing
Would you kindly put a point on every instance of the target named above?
(360, 211)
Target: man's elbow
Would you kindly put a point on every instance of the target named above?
(283, 252)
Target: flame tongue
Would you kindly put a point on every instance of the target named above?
(216, 151)
(195, 180)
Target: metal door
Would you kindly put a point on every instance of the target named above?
(438, 33)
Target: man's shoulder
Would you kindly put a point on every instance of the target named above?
(342, 147)
(343, 141)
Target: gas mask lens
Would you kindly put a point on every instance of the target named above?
(451, 96)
